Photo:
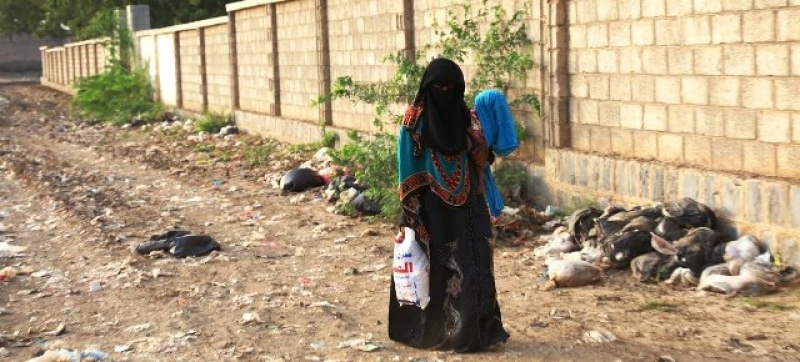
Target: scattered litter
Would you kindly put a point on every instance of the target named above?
(370, 232)
(4, 352)
(180, 244)
(248, 318)
(572, 273)
(8, 273)
(301, 179)
(58, 331)
(69, 355)
(344, 239)
(361, 344)
(41, 274)
(122, 348)
(11, 251)
(321, 304)
(95, 286)
(599, 336)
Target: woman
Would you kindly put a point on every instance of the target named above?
(497, 126)
(441, 194)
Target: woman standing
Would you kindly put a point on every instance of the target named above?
(441, 194)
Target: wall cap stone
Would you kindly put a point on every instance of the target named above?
(239, 5)
(183, 27)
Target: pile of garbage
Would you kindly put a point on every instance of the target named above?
(676, 242)
(339, 185)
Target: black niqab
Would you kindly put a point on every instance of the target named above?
(446, 115)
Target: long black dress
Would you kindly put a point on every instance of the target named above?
(463, 314)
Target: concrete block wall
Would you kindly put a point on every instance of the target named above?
(22, 52)
(254, 65)
(63, 65)
(166, 66)
(712, 84)
(191, 68)
(298, 59)
(361, 33)
(218, 68)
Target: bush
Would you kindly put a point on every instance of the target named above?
(509, 176)
(117, 96)
(375, 164)
(212, 122)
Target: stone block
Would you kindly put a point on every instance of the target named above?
(642, 179)
(577, 36)
(635, 56)
(653, 8)
(794, 197)
(670, 147)
(589, 112)
(593, 177)
(730, 197)
(655, 117)
(789, 161)
(597, 35)
(757, 93)
(669, 31)
(654, 60)
(708, 61)
(645, 145)
(777, 197)
(601, 140)
(681, 119)
(726, 28)
(710, 121)
(773, 60)
(694, 90)
(607, 10)
(758, 26)
(579, 86)
(740, 124)
(767, 4)
(787, 94)
(608, 169)
(724, 91)
(752, 191)
(587, 61)
(620, 88)
(643, 88)
(607, 61)
(609, 114)
(668, 90)
(620, 182)
(598, 87)
(732, 5)
(774, 127)
(671, 189)
(690, 185)
(580, 136)
(789, 24)
(619, 33)
(710, 191)
(631, 116)
(796, 128)
(697, 150)
(622, 142)
(727, 154)
(583, 173)
(657, 186)
(680, 7)
(632, 176)
(739, 60)
(681, 61)
(760, 158)
(697, 30)
(707, 6)
(587, 11)
(643, 32)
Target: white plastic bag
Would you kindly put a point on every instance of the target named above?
(411, 271)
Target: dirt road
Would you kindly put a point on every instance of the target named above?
(293, 282)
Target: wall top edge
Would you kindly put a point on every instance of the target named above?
(183, 27)
(239, 5)
(86, 42)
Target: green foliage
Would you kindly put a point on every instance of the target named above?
(375, 163)
(509, 175)
(328, 139)
(225, 156)
(116, 96)
(204, 147)
(212, 122)
(258, 155)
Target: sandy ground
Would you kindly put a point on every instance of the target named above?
(293, 282)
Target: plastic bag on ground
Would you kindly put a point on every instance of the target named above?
(744, 248)
(366, 206)
(572, 273)
(301, 179)
(411, 272)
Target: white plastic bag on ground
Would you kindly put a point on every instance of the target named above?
(744, 248)
(411, 272)
(572, 273)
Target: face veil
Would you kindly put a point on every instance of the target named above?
(441, 93)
